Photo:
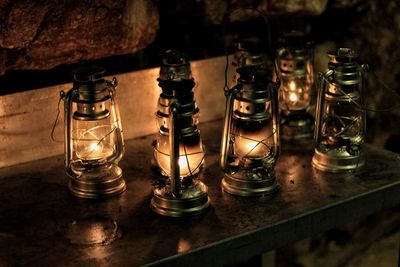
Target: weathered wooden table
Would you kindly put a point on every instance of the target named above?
(42, 224)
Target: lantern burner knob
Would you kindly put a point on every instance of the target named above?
(174, 67)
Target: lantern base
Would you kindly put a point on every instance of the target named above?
(337, 161)
(239, 184)
(297, 129)
(99, 182)
(194, 201)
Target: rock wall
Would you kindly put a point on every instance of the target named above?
(376, 35)
(44, 34)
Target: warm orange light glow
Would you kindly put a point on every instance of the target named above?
(296, 95)
(92, 144)
(292, 92)
(251, 145)
(253, 139)
(92, 150)
(293, 97)
(249, 148)
(183, 245)
(182, 162)
(292, 86)
(194, 157)
(195, 160)
(95, 147)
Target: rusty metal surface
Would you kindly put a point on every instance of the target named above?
(42, 225)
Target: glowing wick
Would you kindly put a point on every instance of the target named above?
(251, 145)
(250, 148)
(292, 89)
(94, 147)
(293, 97)
(182, 162)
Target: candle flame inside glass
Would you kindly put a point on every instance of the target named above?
(253, 139)
(190, 157)
(94, 143)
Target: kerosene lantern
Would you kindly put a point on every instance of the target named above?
(250, 140)
(178, 149)
(340, 116)
(294, 61)
(93, 136)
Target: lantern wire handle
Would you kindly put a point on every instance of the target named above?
(62, 95)
(187, 161)
(198, 165)
(359, 107)
(106, 135)
(268, 35)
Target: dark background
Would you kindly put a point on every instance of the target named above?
(188, 32)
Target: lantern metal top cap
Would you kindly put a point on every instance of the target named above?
(343, 55)
(174, 58)
(251, 44)
(174, 66)
(88, 74)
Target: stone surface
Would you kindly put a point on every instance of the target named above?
(44, 34)
(216, 9)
